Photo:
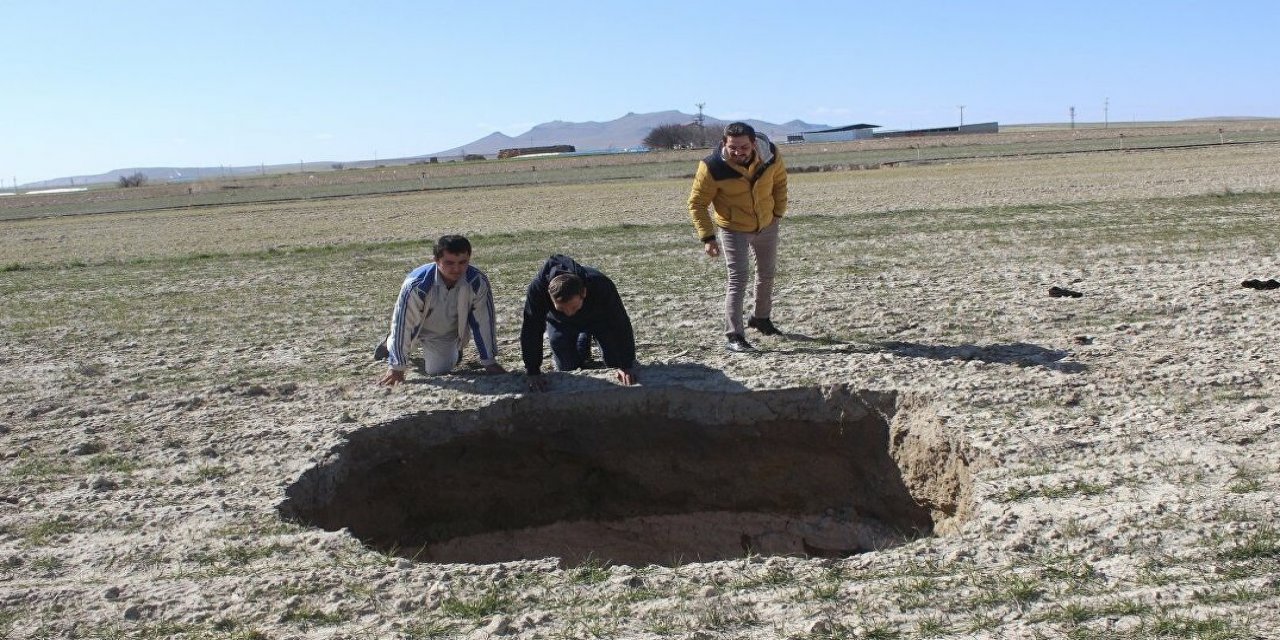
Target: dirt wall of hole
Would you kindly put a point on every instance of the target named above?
(646, 475)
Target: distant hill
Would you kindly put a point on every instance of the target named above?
(625, 132)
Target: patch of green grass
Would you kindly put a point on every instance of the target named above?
(588, 573)
(474, 607)
(307, 616)
(1068, 567)
(721, 616)
(111, 462)
(1247, 485)
(826, 588)
(1055, 492)
(932, 626)
(1071, 528)
(226, 629)
(1075, 613)
(212, 472)
(47, 564)
(982, 621)
(8, 616)
(13, 267)
(1160, 571)
(1246, 480)
(1009, 588)
(33, 467)
(40, 533)
(1241, 594)
(236, 555)
(1166, 625)
(919, 586)
(768, 576)
(430, 629)
(881, 631)
(661, 624)
(1262, 543)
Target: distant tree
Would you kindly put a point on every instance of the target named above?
(671, 136)
(337, 166)
(136, 180)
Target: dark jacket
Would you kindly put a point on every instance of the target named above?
(602, 315)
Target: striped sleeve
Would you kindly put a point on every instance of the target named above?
(482, 318)
(406, 320)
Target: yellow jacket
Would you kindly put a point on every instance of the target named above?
(740, 203)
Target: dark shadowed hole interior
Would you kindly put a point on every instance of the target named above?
(630, 476)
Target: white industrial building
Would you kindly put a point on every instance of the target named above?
(840, 134)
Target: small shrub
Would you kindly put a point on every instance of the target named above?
(136, 180)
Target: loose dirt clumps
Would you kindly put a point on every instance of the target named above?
(646, 476)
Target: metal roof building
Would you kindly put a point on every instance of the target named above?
(841, 134)
(981, 127)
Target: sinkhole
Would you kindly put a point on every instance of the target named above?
(646, 476)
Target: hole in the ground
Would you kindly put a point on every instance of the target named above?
(645, 476)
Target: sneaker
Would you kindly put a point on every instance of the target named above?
(738, 343)
(380, 352)
(764, 326)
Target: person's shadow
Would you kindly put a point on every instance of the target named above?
(474, 380)
(1021, 354)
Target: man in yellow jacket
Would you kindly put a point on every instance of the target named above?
(746, 183)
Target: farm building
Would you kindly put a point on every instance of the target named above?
(839, 134)
(864, 132)
(981, 127)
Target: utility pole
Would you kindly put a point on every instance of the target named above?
(702, 132)
(961, 115)
(1072, 111)
(1106, 105)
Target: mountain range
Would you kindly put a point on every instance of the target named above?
(622, 133)
(626, 132)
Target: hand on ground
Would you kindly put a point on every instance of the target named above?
(538, 382)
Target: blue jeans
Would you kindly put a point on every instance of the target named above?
(570, 346)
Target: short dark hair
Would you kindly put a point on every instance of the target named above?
(736, 129)
(452, 244)
(565, 286)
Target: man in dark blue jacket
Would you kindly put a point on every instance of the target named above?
(574, 303)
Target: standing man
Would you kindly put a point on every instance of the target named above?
(441, 304)
(574, 303)
(746, 182)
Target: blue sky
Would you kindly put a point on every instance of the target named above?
(95, 86)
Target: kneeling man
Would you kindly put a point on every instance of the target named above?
(574, 303)
(441, 304)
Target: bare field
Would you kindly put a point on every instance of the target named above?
(168, 375)
(375, 219)
(524, 172)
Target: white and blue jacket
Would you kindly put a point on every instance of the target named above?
(475, 314)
